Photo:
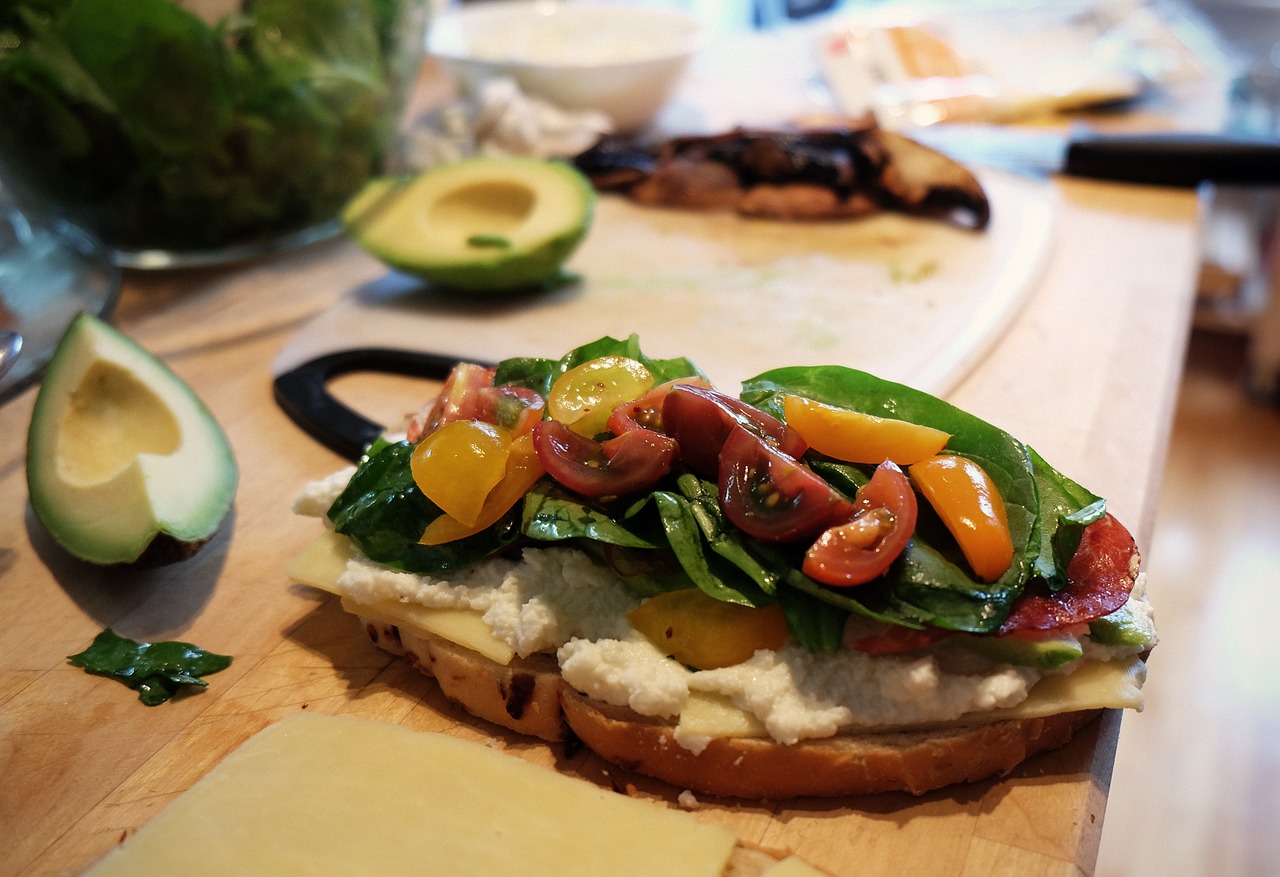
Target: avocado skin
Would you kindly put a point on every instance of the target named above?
(537, 268)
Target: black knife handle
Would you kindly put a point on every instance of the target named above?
(303, 393)
(1175, 159)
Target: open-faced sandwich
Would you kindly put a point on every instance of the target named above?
(827, 584)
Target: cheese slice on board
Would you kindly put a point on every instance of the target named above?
(338, 795)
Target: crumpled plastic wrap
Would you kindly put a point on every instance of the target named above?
(502, 120)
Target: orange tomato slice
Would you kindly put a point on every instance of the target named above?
(964, 496)
(861, 438)
(457, 465)
(705, 633)
(522, 472)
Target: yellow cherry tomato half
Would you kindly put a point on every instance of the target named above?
(457, 465)
(583, 397)
(964, 496)
(522, 472)
(861, 438)
(705, 633)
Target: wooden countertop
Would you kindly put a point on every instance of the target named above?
(1086, 373)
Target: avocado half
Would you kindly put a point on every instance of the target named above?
(482, 224)
(124, 463)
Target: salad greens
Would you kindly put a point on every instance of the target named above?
(157, 671)
(153, 129)
(383, 512)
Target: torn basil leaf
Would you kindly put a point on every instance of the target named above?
(157, 671)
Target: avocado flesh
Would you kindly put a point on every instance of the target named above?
(483, 224)
(1049, 653)
(1122, 628)
(123, 460)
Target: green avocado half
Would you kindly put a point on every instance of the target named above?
(124, 463)
(483, 224)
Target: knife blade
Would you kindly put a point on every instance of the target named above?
(1178, 159)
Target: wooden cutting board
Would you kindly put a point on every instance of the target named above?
(912, 300)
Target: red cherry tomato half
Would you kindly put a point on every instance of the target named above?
(646, 412)
(768, 495)
(863, 548)
(458, 399)
(631, 462)
(701, 420)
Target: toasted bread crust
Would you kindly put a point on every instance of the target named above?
(849, 764)
(523, 696)
(529, 696)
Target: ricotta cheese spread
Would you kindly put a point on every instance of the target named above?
(558, 599)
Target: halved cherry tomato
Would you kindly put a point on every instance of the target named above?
(522, 472)
(458, 399)
(701, 420)
(769, 495)
(646, 411)
(970, 506)
(850, 435)
(705, 633)
(619, 466)
(583, 397)
(458, 464)
(514, 408)
(865, 546)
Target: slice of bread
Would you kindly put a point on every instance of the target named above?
(529, 696)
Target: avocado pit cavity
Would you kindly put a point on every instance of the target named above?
(481, 225)
(111, 418)
(484, 213)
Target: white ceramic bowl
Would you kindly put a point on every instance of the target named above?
(621, 60)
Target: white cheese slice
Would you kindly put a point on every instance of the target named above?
(318, 794)
(1093, 685)
(322, 562)
(465, 627)
(706, 714)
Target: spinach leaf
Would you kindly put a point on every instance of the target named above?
(754, 559)
(157, 671)
(818, 625)
(711, 573)
(552, 514)
(1066, 509)
(841, 598)
(384, 513)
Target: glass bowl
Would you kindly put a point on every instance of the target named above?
(49, 272)
(201, 131)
